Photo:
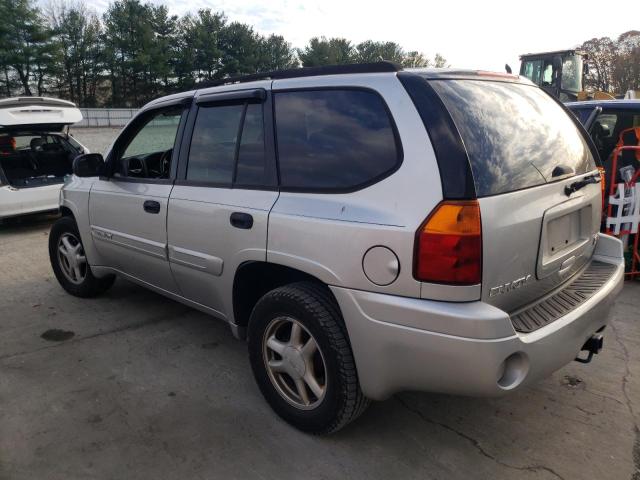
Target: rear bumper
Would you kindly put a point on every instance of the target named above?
(22, 201)
(465, 348)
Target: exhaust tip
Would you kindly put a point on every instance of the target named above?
(513, 371)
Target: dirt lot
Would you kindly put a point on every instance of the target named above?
(144, 387)
(147, 388)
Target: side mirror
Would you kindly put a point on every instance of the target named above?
(88, 165)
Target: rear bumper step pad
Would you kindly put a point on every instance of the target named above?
(563, 301)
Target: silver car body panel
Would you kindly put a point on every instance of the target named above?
(128, 238)
(205, 250)
(440, 337)
(515, 235)
(331, 229)
(460, 348)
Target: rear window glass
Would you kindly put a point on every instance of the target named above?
(333, 139)
(516, 135)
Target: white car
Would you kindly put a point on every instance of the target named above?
(36, 153)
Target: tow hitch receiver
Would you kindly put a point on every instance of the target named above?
(593, 345)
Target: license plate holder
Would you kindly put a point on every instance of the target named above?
(566, 235)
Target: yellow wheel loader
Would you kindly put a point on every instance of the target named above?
(561, 73)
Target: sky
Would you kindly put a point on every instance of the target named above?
(470, 34)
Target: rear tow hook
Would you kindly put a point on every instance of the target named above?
(593, 346)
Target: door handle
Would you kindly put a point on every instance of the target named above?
(241, 220)
(151, 206)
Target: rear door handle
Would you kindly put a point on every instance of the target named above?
(151, 206)
(241, 220)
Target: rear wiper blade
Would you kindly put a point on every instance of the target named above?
(575, 186)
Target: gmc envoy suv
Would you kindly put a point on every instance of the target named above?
(366, 229)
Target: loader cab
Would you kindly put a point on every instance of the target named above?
(560, 73)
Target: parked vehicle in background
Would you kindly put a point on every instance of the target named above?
(614, 127)
(605, 120)
(368, 230)
(561, 73)
(35, 153)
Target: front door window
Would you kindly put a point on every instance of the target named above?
(148, 149)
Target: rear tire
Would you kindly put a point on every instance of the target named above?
(317, 392)
(69, 261)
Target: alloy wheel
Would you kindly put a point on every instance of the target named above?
(294, 362)
(71, 258)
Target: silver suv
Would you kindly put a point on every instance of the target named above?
(367, 230)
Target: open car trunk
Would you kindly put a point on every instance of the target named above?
(35, 160)
(31, 156)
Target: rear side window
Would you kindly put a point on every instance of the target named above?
(334, 139)
(227, 145)
(213, 144)
(516, 136)
(251, 155)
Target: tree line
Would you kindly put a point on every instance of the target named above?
(137, 51)
(614, 65)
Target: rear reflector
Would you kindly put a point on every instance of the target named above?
(449, 245)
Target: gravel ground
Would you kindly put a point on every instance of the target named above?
(95, 139)
(140, 387)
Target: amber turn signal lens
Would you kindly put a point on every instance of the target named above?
(449, 245)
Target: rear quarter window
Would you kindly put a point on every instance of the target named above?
(516, 136)
(334, 139)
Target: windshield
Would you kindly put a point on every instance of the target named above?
(572, 73)
(516, 135)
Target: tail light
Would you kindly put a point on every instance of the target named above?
(449, 245)
(603, 181)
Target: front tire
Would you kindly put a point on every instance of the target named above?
(302, 360)
(69, 261)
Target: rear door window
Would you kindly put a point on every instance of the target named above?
(213, 144)
(516, 136)
(228, 145)
(251, 169)
(334, 139)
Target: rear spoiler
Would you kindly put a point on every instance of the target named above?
(37, 114)
(35, 101)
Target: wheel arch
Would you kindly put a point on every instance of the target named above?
(255, 278)
(66, 212)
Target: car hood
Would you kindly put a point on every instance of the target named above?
(37, 114)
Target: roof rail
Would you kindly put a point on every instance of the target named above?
(377, 67)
